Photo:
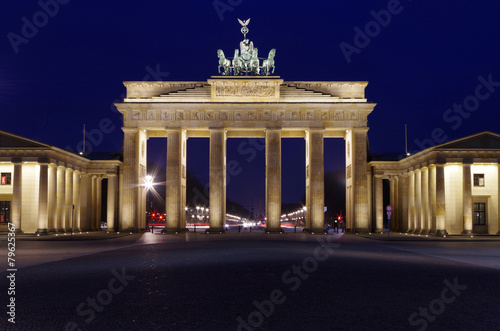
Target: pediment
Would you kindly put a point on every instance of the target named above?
(9, 140)
(482, 140)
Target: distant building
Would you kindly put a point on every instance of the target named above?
(44, 189)
(452, 188)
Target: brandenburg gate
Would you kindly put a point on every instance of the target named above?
(244, 106)
(250, 103)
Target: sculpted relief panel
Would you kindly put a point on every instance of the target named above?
(249, 115)
(245, 91)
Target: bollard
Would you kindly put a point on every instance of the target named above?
(239, 228)
(295, 229)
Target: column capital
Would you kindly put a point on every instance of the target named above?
(130, 130)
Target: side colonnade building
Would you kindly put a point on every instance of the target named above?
(45, 189)
(452, 188)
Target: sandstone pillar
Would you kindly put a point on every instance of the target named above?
(52, 198)
(61, 198)
(43, 200)
(129, 189)
(361, 215)
(411, 201)
(111, 202)
(75, 223)
(432, 199)
(418, 201)
(173, 198)
(68, 200)
(440, 201)
(273, 180)
(17, 195)
(467, 189)
(424, 215)
(379, 204)
(315, 182)
(217, 199)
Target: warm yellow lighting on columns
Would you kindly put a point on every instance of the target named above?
(130, 180)
(61, 198)
(173, 198)
(17, 194)
(467, 189)
(405, 219)
(498, 198)
(98, 193)
(75, 222)
(111, 205)
(379, 204)
(68, 200)
(432, 199)
(411, 201)
(217, 210)
(43, 200)
(52, 198)
(315, 184)
(418, 201)
(440, 201)
(273, 180)
(425, 200)
(85, 202)
(362, 219)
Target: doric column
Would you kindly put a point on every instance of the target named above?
(360, 181)
(75, 223)
(411, 201)
(379, 204)
(273, 180)
(467, 189)
(93, 194)
(498, 196)
(217, 210)
(404, 219)
(43, 200)
(85, 201)
(394, 202)
(425, 200)
(52, 198)
(68, 200)
(173, 198)
(315, 180)
(129, 189)
(17, 195)
(98, 199)
(418, 201)
(432, 199)
(440, 201)
(61, 198)
(111, 202)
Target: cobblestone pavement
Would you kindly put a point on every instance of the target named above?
(254, 281)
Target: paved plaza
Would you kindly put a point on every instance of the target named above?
(255, 281)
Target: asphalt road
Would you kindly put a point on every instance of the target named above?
(254, 282)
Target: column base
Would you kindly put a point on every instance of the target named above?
(42, 231)
(170, 230)
(467, 232)
(215, 230)
(316, 231)
(274, 230)
(379, 230)
(441, 233)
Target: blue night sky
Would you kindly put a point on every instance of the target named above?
(433, 65)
